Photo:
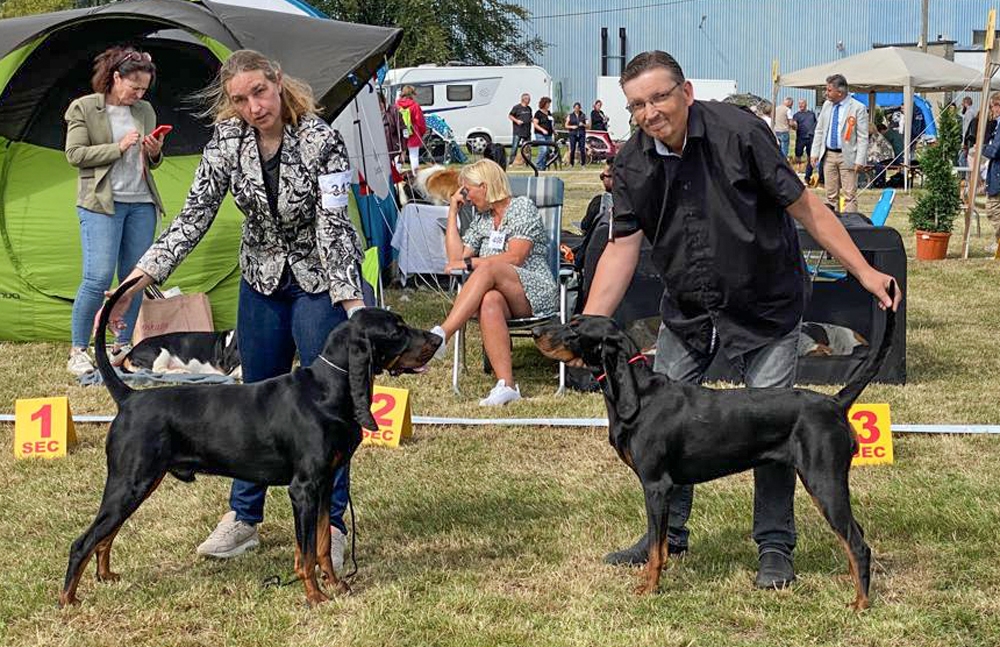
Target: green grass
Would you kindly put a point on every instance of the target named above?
(494, 535)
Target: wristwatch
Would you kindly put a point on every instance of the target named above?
(468, 264)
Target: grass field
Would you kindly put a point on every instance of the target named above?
(494, 535)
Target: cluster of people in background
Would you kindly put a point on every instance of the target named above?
(540, 126)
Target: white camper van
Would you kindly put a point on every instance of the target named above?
(474, 100)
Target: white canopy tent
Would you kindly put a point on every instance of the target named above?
(889, 69)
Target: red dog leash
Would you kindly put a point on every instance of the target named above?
(639, 357)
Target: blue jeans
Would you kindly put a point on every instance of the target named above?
(515, 144)
(578, 140)
(269, 328)
(109, 242)
(783, 140)
(774, 484)
(543, 151)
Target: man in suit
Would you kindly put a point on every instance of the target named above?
(841, 141)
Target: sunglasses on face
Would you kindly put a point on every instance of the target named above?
(605, 176)
(138, 57)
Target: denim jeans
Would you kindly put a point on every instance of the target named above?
(110, 243)
(578, 140)
(269, 328)
(543, 151)
(515, 144)
(774, 485)
(783, 140)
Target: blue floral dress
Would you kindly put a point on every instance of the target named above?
(520, 221)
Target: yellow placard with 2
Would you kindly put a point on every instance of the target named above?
(873, 427)
(391, 410)
(43, 428)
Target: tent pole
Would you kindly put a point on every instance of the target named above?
(907, 132)
(774, 94)
(990, 68)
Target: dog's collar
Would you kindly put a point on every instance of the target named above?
(639, 357)
(332, 365)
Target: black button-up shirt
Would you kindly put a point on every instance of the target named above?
(727, 251)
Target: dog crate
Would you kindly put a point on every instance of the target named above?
(837, 298)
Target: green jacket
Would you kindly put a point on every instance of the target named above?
(91, 148)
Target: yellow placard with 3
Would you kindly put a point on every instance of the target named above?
(873, 427)
(43, 428)
(391, 410)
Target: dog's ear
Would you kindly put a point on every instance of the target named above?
(621, 382)
(360, 378)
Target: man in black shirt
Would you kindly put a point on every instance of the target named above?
(804, 123)
(520, 117)
(706, 184)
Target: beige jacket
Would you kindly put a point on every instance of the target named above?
(90, 148)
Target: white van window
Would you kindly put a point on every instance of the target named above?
(460, 92)
(425, 95)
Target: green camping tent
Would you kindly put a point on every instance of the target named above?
(45, 62)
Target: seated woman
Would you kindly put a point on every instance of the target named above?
(504, 249)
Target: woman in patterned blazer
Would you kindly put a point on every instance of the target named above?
(300, 256)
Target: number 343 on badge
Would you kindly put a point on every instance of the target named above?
(873, 427)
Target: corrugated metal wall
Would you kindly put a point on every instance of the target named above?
(732, 39)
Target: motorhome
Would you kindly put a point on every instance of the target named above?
(473, 100)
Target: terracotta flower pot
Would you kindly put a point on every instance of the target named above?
(932, 246)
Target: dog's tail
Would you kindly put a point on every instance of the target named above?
(866, 372)
(118, 389)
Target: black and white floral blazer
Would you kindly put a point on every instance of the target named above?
(313, 234)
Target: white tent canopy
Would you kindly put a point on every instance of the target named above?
(892, 69)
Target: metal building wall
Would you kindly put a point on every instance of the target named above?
(732, 39)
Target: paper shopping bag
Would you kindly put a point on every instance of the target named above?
(182, 313)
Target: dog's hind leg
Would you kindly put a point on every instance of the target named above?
(304, 492)
(122, 497)
(831, 493)
(657, 496)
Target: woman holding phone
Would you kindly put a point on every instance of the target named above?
(110, 139)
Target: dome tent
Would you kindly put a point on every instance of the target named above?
(45, 62)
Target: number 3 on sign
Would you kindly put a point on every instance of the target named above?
(43, 428)
(391, 410)
(873, 427)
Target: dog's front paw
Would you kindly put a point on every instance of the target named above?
(647, 589)
(316, 597)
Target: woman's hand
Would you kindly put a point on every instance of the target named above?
(152, 146)
(128, 141)
(457, 200)
(117, 320)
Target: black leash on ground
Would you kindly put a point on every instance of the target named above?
(274, 581)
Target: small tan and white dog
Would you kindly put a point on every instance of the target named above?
(437, 183)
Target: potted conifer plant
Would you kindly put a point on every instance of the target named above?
(939, 200)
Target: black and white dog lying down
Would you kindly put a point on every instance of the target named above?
(187, 352)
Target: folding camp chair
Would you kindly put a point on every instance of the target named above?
(547, 194)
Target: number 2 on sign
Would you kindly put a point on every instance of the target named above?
(45, 414)
(388, 403)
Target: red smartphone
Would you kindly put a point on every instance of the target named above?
(162, 129)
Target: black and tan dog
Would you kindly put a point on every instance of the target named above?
(678, 434)
(292, 430)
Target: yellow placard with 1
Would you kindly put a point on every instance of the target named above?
(43, 428)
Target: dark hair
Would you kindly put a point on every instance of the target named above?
(577, 105)
(610, 160)
(838, 82)
(544, 101)
(122, 59)
(649, 61)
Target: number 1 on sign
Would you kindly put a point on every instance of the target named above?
(45, 414)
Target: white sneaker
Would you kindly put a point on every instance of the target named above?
(501, 394)
(338, 541)
(79, 362)
(230, 538)
(118, 353)
(443, 348)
